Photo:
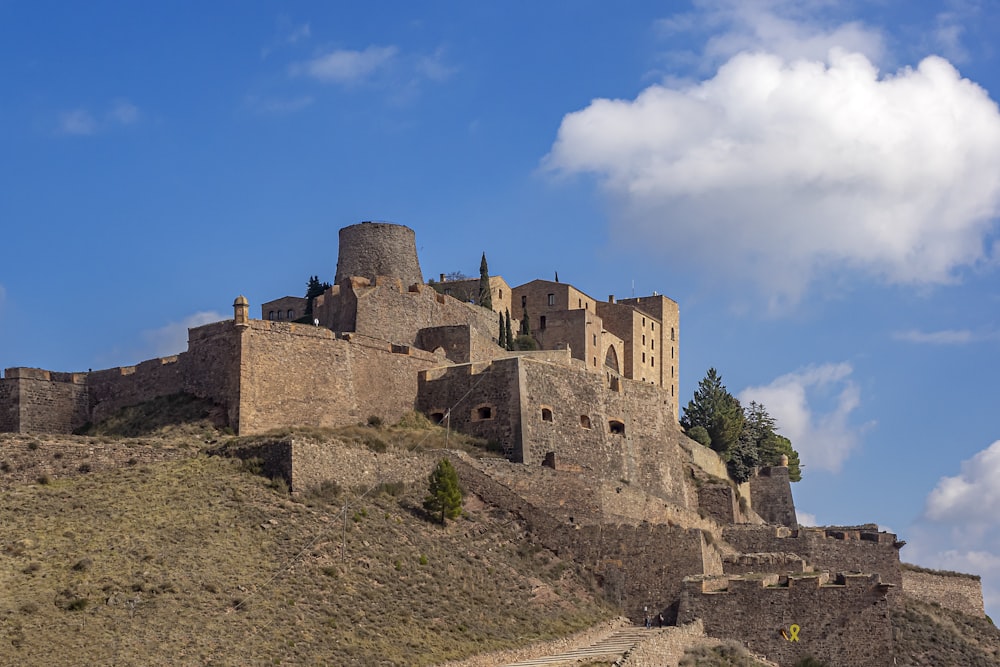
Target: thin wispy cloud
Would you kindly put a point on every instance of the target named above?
(288, 34)
(345, 66)
(824, 437)
(85, 122)
(279, 105)
(944, 337)
(798, 159)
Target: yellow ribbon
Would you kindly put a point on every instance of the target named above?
(794, 630)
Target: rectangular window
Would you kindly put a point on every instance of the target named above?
(644, 322)
(643, 339)
(579, 303)
(652, 361)
(552, 299)
(672, 334)
(652, 343)
(643, 357)
(652, 325)
(524, 301)
(541, 322)
(595, 339)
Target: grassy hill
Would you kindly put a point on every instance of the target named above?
(196, 561)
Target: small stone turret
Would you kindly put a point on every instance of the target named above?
(371, 249)
(241, 311)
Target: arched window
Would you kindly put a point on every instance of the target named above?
(611, 359)
(546, 415)
(437, 417)
(585, 421)
(482, 412)
(291, 314)
(270, 314)
(616, 427)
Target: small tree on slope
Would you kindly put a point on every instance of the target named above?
(444, 495)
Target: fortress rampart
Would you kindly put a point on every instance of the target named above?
(842, 620)
(953, 590)
(833, 548)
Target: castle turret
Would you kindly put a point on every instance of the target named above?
(372, 249)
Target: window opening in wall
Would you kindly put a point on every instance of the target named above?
(279, 314)
(595, 339)
(595, 361)
(270, 314)
(644, 321)
(652, 360)
(652, 326)
(652, 343)
(672, 334)
(579, 303)
(671, 371)
(484, 412)
(671, 351)
(643, 339)
(499, 294)
(524, 301)
(437, 417)
(546, 415)
(541, 322)
(643, 357)
(552, 299)
(616, 427)
(585, 421)
(291, 314)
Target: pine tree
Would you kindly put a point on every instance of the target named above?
(485, 294)
(313, 289)
(718, 411)
(444, 495)
(509, 332)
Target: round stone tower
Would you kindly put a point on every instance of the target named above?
(372, 249)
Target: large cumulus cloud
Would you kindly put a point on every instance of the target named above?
(777, 170)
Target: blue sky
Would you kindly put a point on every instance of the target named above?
(816, 183)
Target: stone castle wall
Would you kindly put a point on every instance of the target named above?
(844, 621)
(961, 592)
(33, 400)
(837, 549)
(639, 565)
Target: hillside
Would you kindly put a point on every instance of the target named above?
(195, 560)
(148, 551)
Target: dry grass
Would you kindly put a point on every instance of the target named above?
(927, 634)
(194, 561)
(725, 654)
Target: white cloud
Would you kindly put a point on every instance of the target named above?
(279, 105)
(78, 122)
(972, 496)
(824, 439)
(795, 163)
(347, 66)
(172, 338)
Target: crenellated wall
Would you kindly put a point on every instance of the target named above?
(833, 548)
(840, 621)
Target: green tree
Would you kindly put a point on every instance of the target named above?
(313, 289)
(743, 458)
(759, 427)
(444, 495)
(485, 294)
(525, 322)
(718, 411)
(502, 338)
(509, 332)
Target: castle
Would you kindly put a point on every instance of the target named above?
(595, 463)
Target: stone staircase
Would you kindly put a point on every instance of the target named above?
(613, 646)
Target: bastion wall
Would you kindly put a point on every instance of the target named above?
(839, 621)
(953, 590)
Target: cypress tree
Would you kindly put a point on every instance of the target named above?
(509, 331)
(502, 337)
(525, 323)
(485, 295)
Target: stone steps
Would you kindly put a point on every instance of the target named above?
(613, 646)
